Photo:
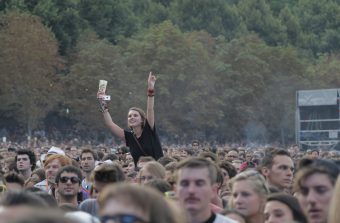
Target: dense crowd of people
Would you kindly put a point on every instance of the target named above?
(188, 184)
(146, 182)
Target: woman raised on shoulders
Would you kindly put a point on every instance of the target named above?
(141, 136)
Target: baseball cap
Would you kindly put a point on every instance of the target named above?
(55, 150)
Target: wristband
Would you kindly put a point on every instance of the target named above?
(151, 92)
(102, 105)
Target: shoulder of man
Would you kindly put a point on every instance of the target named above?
(223, 219)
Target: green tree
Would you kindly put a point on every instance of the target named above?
(320, 25)
(62, 17)
(241, 78)
(111, 19)
(8, 5)
(29, 58)
(215, 16)
(325, 73)
(95, 60)
(278, 5)
(150, 12)
(259, 18)
(259, 81)
(276, 104)
(291, 22)
(185, 82)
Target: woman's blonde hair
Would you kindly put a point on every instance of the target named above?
(154, 168)
(147, 199)
(256, 180)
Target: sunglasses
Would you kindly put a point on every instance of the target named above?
(122, 218)
(73, 180)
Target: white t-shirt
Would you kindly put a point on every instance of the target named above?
(223, 219)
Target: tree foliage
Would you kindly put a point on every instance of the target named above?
(29, 59)
(259, 18)
(111, 19)
(227, 70)
(94, 60)
(320, 25)
(61, 16)
(215, 16)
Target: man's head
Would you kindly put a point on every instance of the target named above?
(25, 159)
(106, 174)
(14, 182)
(248, 156)
(196, 184)
(18, 204)
(315, 154)
(278, 167)
(294, 150)
(183, 153)
(68, 181)
(53, 163)
(195, 144)
(237, 164)
(241, 151)
(73, 152)
(11, 152)
(314, 184)
(88, 158)
(232, 155)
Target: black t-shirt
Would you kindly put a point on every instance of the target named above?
(149, 142)
(211, 219)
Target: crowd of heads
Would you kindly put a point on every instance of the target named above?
(237, 184)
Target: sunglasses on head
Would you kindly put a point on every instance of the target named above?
(122, 218)
(73, 180)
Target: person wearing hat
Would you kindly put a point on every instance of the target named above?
(55, 150)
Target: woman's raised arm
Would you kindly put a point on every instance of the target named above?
(150, 113)
(114, 128)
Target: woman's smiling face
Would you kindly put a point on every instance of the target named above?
(134, 119)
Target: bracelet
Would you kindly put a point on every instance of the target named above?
(151, 92)
(103, 106)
